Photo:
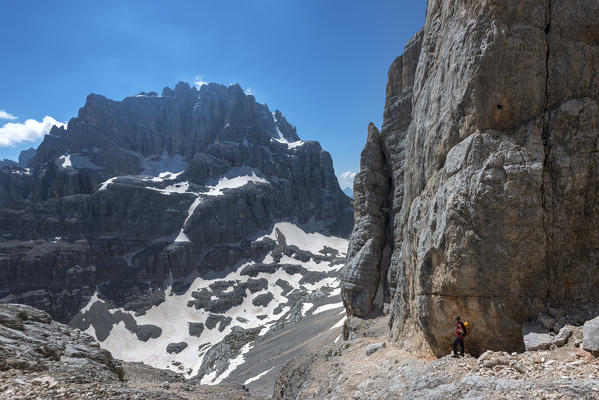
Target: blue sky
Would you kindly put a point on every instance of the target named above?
(322, 63)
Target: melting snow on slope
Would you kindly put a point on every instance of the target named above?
(255, 378)
(157, 165)
(312, 242)
(327, 307)
(174, 314)
(76, 161)
(182, 237)
(105, 184)
(233, 183)
(306, 307)
(66, 161)
(212, 379)
(226, 182)
(281, 139)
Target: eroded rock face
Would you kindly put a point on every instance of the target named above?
(33, 342)
(360, 278)
(495, 182)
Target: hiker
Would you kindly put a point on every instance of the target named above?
(460, 332)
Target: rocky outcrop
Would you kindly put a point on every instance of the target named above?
(44, 359)
(590, 340)
(361, 276)
(370, 277)
(494, 174)
(33, 342)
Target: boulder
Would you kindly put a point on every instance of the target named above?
(590, 336)
(373, 348)
(176, 347)
(562, 337)
(39, 344)
(535, 337)
(195, 328)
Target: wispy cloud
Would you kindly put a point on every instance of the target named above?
(5, 115)
(31, 130)
(199, 81)
(249, 91)
(346, 179)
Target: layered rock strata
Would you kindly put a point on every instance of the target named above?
(491, 142)
(149, 192)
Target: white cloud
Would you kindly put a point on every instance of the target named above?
(346, 179)
(5, 115)
(29, 131)
(199, 81)
(249, 91)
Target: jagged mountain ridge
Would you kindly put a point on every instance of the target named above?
(152, 201)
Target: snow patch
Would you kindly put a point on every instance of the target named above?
(281, 137)
(327, 307)
(77, 161)
(312, 242)
(65, 161)
(233, 183)
(174, 314)
(161, 164)
(106, 183)
(297, 144)
(255, 378)
(306, 307)
(229, 181)
(338, 324)
(210, 379)
(180, 187)
(182, 237)
(91, 302)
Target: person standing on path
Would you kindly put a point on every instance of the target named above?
(460, 332)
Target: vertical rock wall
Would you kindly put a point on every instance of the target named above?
(493, 162)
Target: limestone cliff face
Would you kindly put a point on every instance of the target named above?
(491, 137)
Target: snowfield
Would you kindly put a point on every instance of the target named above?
(175, 314)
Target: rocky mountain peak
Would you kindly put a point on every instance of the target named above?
(200, 204)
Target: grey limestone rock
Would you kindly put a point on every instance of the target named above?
(196, 329)
(219, 356)
(590, 338)
(372, 348)
(491, 150)
(361, 275)
(176, 347)
(262, 299)
(537, 341)
(32, 341)
(562, 336)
